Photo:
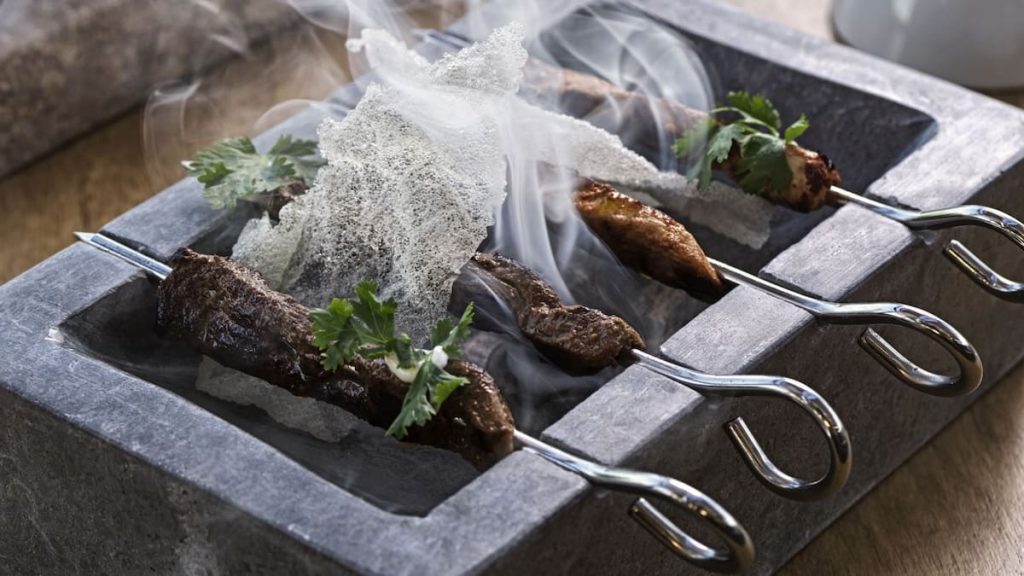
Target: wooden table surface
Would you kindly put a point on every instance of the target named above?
(957, 507)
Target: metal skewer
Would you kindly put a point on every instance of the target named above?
(932, 326)
(967, 215)
(949, 338)
(836, 434)
(837, 437)
(738, 552)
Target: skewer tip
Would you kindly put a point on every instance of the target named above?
(84, 236)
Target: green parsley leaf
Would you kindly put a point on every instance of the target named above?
(719, 145)
(232, 169)
(366, 327)
(443, 387)
(693, 139)
(796, 129)
(755, 106)
(375, 321)
(448, 337)
(762, 164)
(417, 409)
(333, 333)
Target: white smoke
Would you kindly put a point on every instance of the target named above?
(417, 172)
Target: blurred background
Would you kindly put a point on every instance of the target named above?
(100, 101)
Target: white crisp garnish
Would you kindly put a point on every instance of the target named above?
(417, 172)
(438, 357)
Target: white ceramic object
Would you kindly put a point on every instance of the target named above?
(978, 43)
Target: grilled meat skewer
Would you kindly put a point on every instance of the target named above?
(582, 95)
(648, 240)
(736, 552)
(228, 313)
(577, 338)
(512, 281)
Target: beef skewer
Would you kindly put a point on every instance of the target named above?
(245, 325)
(537, 307)
(582, 339)
(227, 312)
(815, 181)
(613, 216)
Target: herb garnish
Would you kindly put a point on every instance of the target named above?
(232, 169)
(366, 327)
(755, 128)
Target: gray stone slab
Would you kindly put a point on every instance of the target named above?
(218, 495)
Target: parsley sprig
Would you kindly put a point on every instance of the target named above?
(366, 327)
(753, 124)
(232, 169)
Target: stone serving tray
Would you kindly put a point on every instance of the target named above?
(111, 462)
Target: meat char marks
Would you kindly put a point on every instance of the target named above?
(577, 338)
(227, 312)
(648, 240)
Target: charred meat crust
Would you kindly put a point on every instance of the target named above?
(581, 94)
(648, 241)
(228, 313)
(577, 338)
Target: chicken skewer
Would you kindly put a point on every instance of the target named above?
(246, 339)
(623, 222)
(814, 183)
(598, 340)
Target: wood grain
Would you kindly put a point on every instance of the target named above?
(956, 508)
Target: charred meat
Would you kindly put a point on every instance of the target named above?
(228, 313)
(648, 241)
(577, 338)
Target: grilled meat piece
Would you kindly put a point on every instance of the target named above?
(648, 241)
(474, 421)
(813, 175)
(228, 313)
(581, 95)
(576, 338)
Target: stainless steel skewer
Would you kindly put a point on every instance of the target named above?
(738, 552)
(892, 313)
(935, 328)
(967, 215)
(836, 435)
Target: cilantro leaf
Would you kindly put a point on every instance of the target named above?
(333, 333)
(376, 321)
(443, 387)
(796, 129)
(719, 145)
(762, 164)
(755, 106)
(366, 327)
(417, 409)
(448, 337)
(693, 139)
(232, 169)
